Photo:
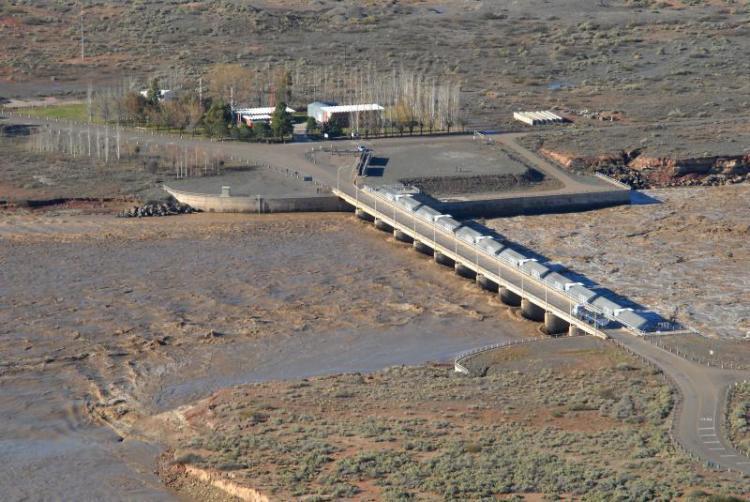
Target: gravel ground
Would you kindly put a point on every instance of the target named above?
(249, 182)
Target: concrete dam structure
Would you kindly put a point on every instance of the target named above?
(542, 292)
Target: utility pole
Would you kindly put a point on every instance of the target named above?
(83, 49)
(89, 103)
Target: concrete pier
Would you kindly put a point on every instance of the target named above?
(443, 260)
(508, 297)
(532, 311)
(575, 331)
(363, 215)
(486, 284)
(464, 271)
(402, 237)
(381, 225)
(554, 325)
(423, 248)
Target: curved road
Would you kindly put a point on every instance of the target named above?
(700, 421)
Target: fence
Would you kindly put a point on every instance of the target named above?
(676, 410)
(461, 358)
(733, 365)
(609, 179)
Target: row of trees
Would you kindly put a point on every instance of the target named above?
(185, 110)
(106, 145)
(412, 101)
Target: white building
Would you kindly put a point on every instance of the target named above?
(164, 94)
(322, 112)
(538, 118)
(250, 116)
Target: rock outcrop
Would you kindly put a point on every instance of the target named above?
(643, 171)
(167, 208)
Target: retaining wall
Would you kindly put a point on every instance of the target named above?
(260, 204)
(534, 204)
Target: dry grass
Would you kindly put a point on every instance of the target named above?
(592, 424)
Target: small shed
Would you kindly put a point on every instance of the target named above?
(250, 116)
(538, 118)
(315, 110)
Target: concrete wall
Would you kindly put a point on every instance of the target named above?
(219, 204)
(535, 204)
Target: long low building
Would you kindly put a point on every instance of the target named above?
(323, 111)
(250, 116)
(538, 118)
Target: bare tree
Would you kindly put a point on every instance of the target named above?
(231, 82)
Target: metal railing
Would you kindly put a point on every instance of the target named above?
(610, 179)
(677, 409)
(536, 280)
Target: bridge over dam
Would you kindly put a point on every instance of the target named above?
(565, 305)
(543, 292)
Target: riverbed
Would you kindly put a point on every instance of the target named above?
(106, 321)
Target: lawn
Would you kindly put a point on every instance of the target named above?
(76, 112)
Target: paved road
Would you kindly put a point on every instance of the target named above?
(700, 422)
(698, 425)
(500, 272)
(292, 155)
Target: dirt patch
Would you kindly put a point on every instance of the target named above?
(452, 185)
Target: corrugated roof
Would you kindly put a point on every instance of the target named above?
(263, 116)
(371, 107)
(264, 110)
(632, 319)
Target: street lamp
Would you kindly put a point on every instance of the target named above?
(338, 175)
(520, 264)
(477, 240)
(434, 228)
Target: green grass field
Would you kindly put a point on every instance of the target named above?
(72, 111)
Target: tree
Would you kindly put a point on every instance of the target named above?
(217, 119)
(194, 109)
(244, 133)
(311, 126)
(154, 93)
(230, 83)
(262, 130)
(281, 121)
(282, 86)
(332, 128)
(134, 106)
(175, 114)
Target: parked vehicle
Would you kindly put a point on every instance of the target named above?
(584, 313)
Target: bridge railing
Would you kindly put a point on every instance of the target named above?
(526, 275)
(614, 181)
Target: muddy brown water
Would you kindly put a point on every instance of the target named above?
(142, 317)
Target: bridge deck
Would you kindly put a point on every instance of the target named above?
(468, 255)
